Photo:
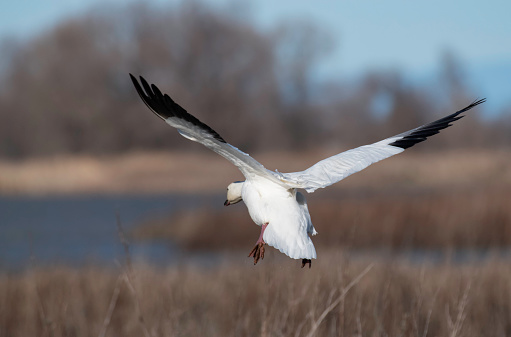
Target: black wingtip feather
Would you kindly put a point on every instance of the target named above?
(164, 107)
(421, 133)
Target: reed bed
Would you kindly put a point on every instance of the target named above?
(206, 172)
(351, 290)
(476, 218)
(340, 296)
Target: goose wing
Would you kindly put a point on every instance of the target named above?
(191, 128)
(340, 166)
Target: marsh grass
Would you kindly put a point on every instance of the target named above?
(339, 296)
(206, 172)
(344, 294)
(435, 220)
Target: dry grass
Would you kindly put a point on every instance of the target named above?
(457, 200)
(205, 172)
(339, 296)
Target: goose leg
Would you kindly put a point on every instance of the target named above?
(306, 261)
(258, 251)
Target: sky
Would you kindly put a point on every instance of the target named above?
(367, 35)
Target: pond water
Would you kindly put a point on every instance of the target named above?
(80, 230)
(83, 229)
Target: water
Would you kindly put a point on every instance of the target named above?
(79, 230)
(82, 229)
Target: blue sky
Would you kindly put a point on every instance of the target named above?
(391, 34)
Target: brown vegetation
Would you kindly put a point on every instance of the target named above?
(433, 201)
(459, 219)
(206, 172)
(339, 296)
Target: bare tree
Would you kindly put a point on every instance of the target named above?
(67, 90)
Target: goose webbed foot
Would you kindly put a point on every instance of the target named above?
(306, 261)
(257, 252)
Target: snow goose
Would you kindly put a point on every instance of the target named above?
(272, 198)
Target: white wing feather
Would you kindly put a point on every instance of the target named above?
(335, 168)
(342, 165)
(193, 129)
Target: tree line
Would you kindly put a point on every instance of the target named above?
(67, 90)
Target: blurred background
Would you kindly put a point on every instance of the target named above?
(290, 82)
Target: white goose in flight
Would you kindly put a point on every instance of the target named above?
(271, 197)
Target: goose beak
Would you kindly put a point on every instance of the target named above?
(227, 203)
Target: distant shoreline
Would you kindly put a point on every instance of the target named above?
(203, 172)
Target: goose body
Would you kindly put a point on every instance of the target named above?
(272, 198)
(286, 213)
